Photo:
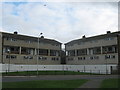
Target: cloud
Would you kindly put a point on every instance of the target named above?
(61, 21)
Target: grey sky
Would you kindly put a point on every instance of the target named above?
(62, 21)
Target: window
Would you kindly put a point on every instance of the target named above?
(71, 53)
(54, 53)
(91, 58)
(109, 56)
(29, 41)
(115, 48)
(13, 49)
(81, 52)
(30, 57)
(27, 51)
(94, 57)
(106, 39)
(109, 38)
(11, 56)
(42, 58)
(109, 49)
(7, 38)
(25, 57)
(11, 39)
(43, 52)
(7, 56)
(113, 56)
(81, 58)
(97, 50)
(55, 59)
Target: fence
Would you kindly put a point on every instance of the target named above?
(97, 69)
(114, 70)
(36, 73)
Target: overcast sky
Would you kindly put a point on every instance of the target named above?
(62, 21)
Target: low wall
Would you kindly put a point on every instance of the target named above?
(101, 69)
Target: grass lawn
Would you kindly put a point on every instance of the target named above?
(45, 84)
(26, 73)
(110, 83)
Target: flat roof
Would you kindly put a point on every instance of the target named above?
(31, 38)
(113, 34)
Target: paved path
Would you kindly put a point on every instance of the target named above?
(56, 77)
(92, 84)
(94, 80)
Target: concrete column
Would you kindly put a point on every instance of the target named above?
(75, 52)
(101, 50)
(48, 52)
(35, 51)
(87, 51)
(20, 51)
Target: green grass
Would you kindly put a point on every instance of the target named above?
(45, 84)
(27, 73)
(110, 83)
